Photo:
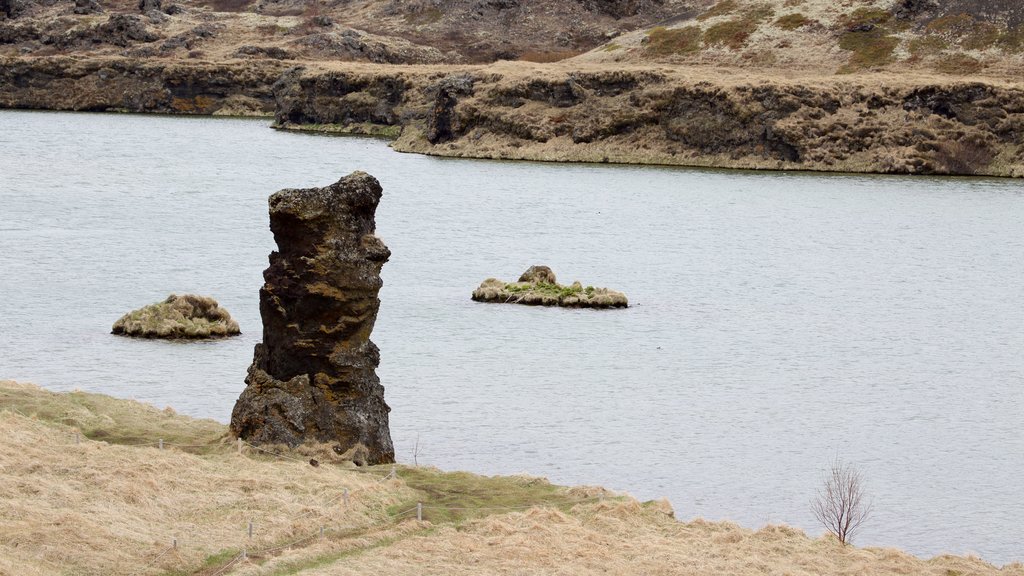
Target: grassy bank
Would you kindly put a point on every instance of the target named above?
(113, 502)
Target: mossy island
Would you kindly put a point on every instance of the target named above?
(539, 287)
(186, 317)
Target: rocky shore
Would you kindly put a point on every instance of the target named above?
(633, 115)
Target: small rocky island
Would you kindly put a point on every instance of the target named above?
(313, 378)
(178, 317)
(539, 287)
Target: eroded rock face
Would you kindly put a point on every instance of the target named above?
(312, 378)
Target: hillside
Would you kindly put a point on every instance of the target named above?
(385, 31)
(953, 37)
(113, 502)
(950, 37)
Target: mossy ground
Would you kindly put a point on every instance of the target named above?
(356, 129)
(663, 41)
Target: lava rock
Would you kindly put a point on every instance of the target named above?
(83, 7)
(313, 377)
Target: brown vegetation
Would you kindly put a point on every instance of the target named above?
(187, 316)
(101, 507)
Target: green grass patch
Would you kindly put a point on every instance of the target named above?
(959, 64)
(792, 21)
(663, 41)
(300, 566)
(1012, 40)
(866, 17)
(721, 9)
(954, 25)
(731, 33)
(555, 290)
(982, 37)
(453, 497)
(870, 49)
(101, 417)
(358, 128)
(612, 47)
(924, 46)
(422, 17)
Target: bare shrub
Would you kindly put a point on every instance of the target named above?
(841, 506)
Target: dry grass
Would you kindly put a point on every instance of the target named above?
(630, 538)
(101, 508)
(186, 316)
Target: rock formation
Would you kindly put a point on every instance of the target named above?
(537, 287)
(312, 378)
(178, 317)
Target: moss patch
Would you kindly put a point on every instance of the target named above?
(925, 46)
(721, 9)
(358, 128)
(459, 496)
(102, 417)
(959, 64)
(870, 49)
(792, 21)
(865, 18)
(731, 33)
(663, 41)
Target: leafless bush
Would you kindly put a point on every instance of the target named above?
(841, 506)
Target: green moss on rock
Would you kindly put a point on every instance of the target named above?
(537, 287)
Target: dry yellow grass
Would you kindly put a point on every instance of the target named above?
(100, 508)
(628, 538)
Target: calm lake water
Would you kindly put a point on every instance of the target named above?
(777, 320)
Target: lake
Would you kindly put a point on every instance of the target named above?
(777, 320)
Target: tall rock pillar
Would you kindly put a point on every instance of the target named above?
(312, 378)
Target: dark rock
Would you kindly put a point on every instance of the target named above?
(174, 10)
(440, 119)
(122, 30)
(323, 21)
(620, 8)
(87, 7)
(12, 8)
(908, 9)
(536, 274)
(273, 52)
(146, 5)
(312, 378)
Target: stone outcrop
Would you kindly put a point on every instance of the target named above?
(312, 378)
(62, 83)
(537, 287)
(178, 317)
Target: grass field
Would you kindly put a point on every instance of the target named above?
(113, 502)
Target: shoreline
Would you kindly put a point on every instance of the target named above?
(121, 429)
(637, 115)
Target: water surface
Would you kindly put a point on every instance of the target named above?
(777, 320)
